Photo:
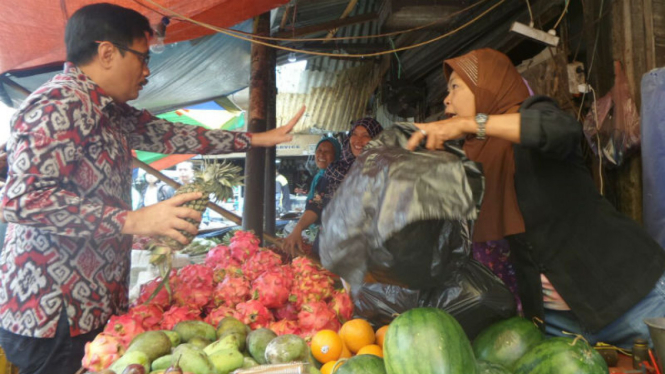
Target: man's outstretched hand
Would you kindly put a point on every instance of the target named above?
(279, 135)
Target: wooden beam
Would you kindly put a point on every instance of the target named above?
(347, 11)
(255, 161)
(326, 26)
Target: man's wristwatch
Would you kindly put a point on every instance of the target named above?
(481, 120)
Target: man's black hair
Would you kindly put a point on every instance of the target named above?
(102, 22)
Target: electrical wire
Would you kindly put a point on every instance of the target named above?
(399, 63)
(293, 39)
(241, 37)
(565, 10)
(600, 151)
(528, 5)
(593, 57)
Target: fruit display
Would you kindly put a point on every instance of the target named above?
(244, 308)
(239, 281)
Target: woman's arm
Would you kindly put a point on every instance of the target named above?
(540, 124)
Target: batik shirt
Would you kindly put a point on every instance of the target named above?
(67, 198)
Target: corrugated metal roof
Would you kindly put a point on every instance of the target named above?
(333, 98)
(314, 12)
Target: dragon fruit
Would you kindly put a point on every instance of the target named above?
(102, 352)
(178, 314)
(254, 314)
(216, 315)
(303, 266)
(271, 289)
(313, 287)
(260, 262)
(162, 298)
(149, 315)
(217, 256)
(193, 286)
(124, 327)
(244, 245)
(342, 304)
(316, 316)
(285, 327)
(288, 311)
(234, 289)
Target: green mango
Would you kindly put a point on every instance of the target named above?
(134, 357)
(174, 336)
(155, 344)
(229, 341)
(249, 362)
(192, 359)
(257, 341)
(199, 342)
(231, 324)
(227, 360)
(161, 363)
(191, 329)
(287, 348)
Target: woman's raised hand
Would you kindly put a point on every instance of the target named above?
(436, 133)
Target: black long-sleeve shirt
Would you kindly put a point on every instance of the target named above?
(600, 261)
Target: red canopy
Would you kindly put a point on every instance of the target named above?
(32, 31)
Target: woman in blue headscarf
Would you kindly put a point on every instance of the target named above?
(362, 131)
(327, 151)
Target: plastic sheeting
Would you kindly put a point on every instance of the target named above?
(401, 216)
(185, 73)
(32, 31)
(653, 153)
(613, 124)
(472, 294)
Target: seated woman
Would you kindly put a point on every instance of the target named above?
(362, 131)
(581, 266)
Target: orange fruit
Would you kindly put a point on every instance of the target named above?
(371, 349)
(326, 346)
(345, 351)
(381, 334)
(357, 333)
(328, 367)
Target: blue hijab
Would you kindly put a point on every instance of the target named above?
(319, 174)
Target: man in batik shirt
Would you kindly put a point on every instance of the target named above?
(65, 264)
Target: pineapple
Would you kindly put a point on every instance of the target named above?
(215, 179)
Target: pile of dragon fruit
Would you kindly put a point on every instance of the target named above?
(249, 283)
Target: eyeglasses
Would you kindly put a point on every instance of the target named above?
(145, 57)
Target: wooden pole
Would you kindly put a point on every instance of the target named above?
(225, 213)
(271, 153)
(258, 108)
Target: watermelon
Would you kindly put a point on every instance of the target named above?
(486, 367)
(427, 341)
(505, 342)
(561, 356)
(363, 364)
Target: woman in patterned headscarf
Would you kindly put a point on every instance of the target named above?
(362, 131)
(580, 265)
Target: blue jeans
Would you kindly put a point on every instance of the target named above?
(623, 331)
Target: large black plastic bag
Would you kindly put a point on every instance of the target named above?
(401, 216)
(473, 295)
